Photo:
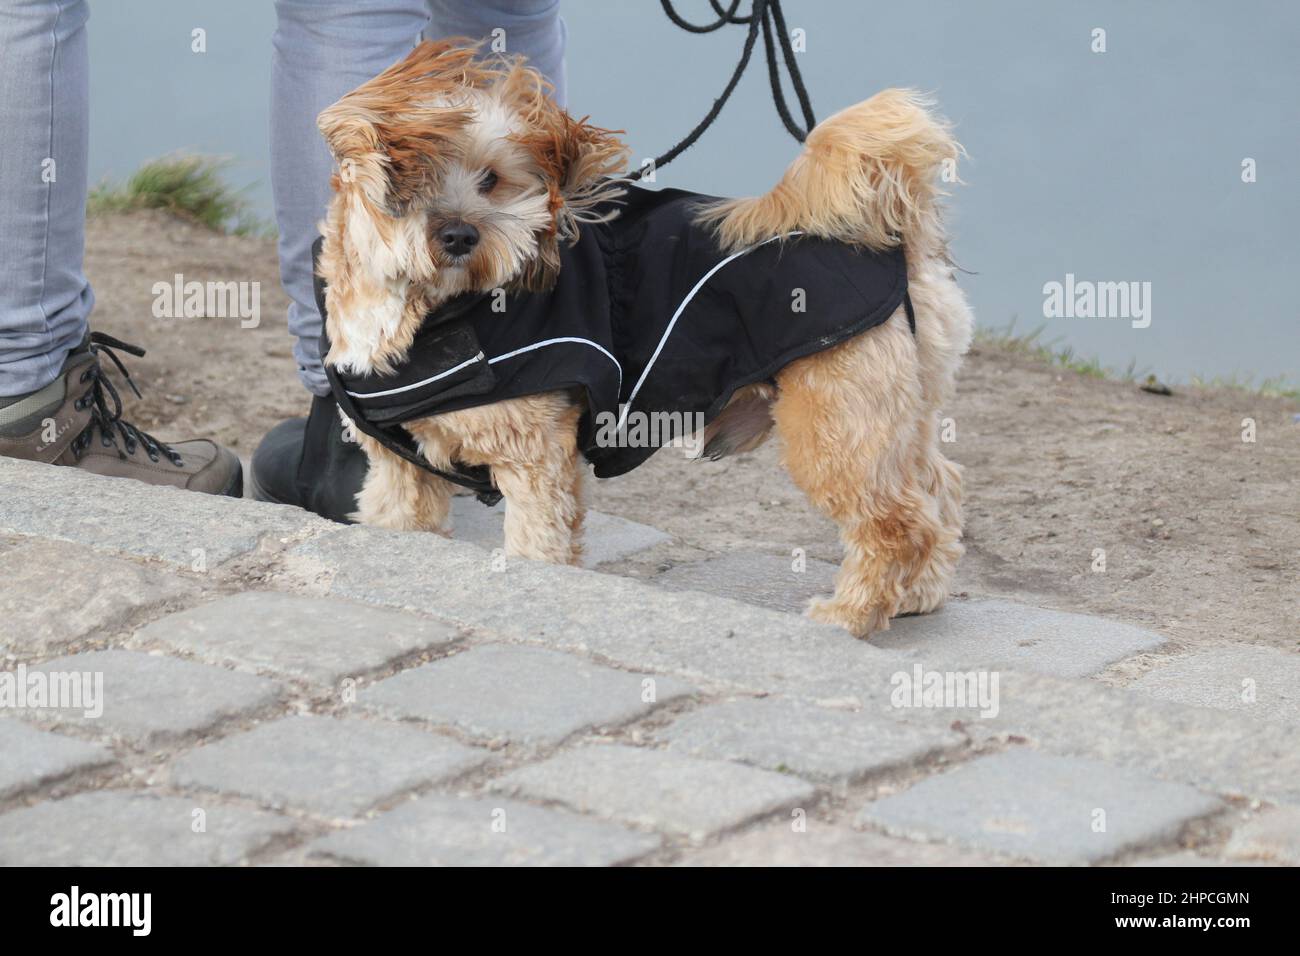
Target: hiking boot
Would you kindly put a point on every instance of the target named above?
(76, 421)
(306, 462)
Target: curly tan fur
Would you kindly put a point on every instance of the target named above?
(858, 422)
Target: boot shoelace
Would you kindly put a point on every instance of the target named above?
(106, 420)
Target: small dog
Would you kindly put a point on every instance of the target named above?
(458, 174)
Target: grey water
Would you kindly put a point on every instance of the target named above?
(1123, 166)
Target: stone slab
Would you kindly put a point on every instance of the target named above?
(1002, 634)
(1273, 837)
(1187, 858)
(310, 638)
(1022, 803)
(605, 537)
(123, 828)
(148, 697)
(654, 788)
(451, 831)
(333, 766)
(767, 580)
(822, 844)
(31, 757)
(55, 593)
(1218, 751)
(809, 741)
(1262, 682)
(184, 528)
(521, 694)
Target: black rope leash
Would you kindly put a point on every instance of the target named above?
(767, 16)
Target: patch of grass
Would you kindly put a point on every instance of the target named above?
(1031, 344)
(1278, 387)
(188, 186)
(1051, 352)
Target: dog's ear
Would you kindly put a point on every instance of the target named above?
(574, 156)
(540, 272)
(391, 134)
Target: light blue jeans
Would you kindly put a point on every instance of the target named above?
(321, 49)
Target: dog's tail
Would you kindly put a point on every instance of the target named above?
(866, 175)
(743, 425)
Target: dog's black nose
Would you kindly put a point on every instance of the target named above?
(458, 238)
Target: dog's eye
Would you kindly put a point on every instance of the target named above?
(488, 182)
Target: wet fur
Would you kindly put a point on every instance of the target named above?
(858, 422)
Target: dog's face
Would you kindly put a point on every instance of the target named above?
(461, 174)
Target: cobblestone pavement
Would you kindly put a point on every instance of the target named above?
(187, 680)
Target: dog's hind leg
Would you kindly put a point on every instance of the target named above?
(579, 515)
(942, 480)
(399, 495)
(944, 324)
(848, 422)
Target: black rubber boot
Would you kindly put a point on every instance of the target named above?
(306, 462)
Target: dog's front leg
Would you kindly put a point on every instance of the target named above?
(399, 495)
(543, 507)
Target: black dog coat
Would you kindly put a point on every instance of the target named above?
(648, 315)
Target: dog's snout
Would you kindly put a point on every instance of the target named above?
(458, 238)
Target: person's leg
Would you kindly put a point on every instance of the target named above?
(323, 49)
(44, 296)
(533, 28)
(56, 405)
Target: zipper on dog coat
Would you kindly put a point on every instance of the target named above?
(648, 316)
